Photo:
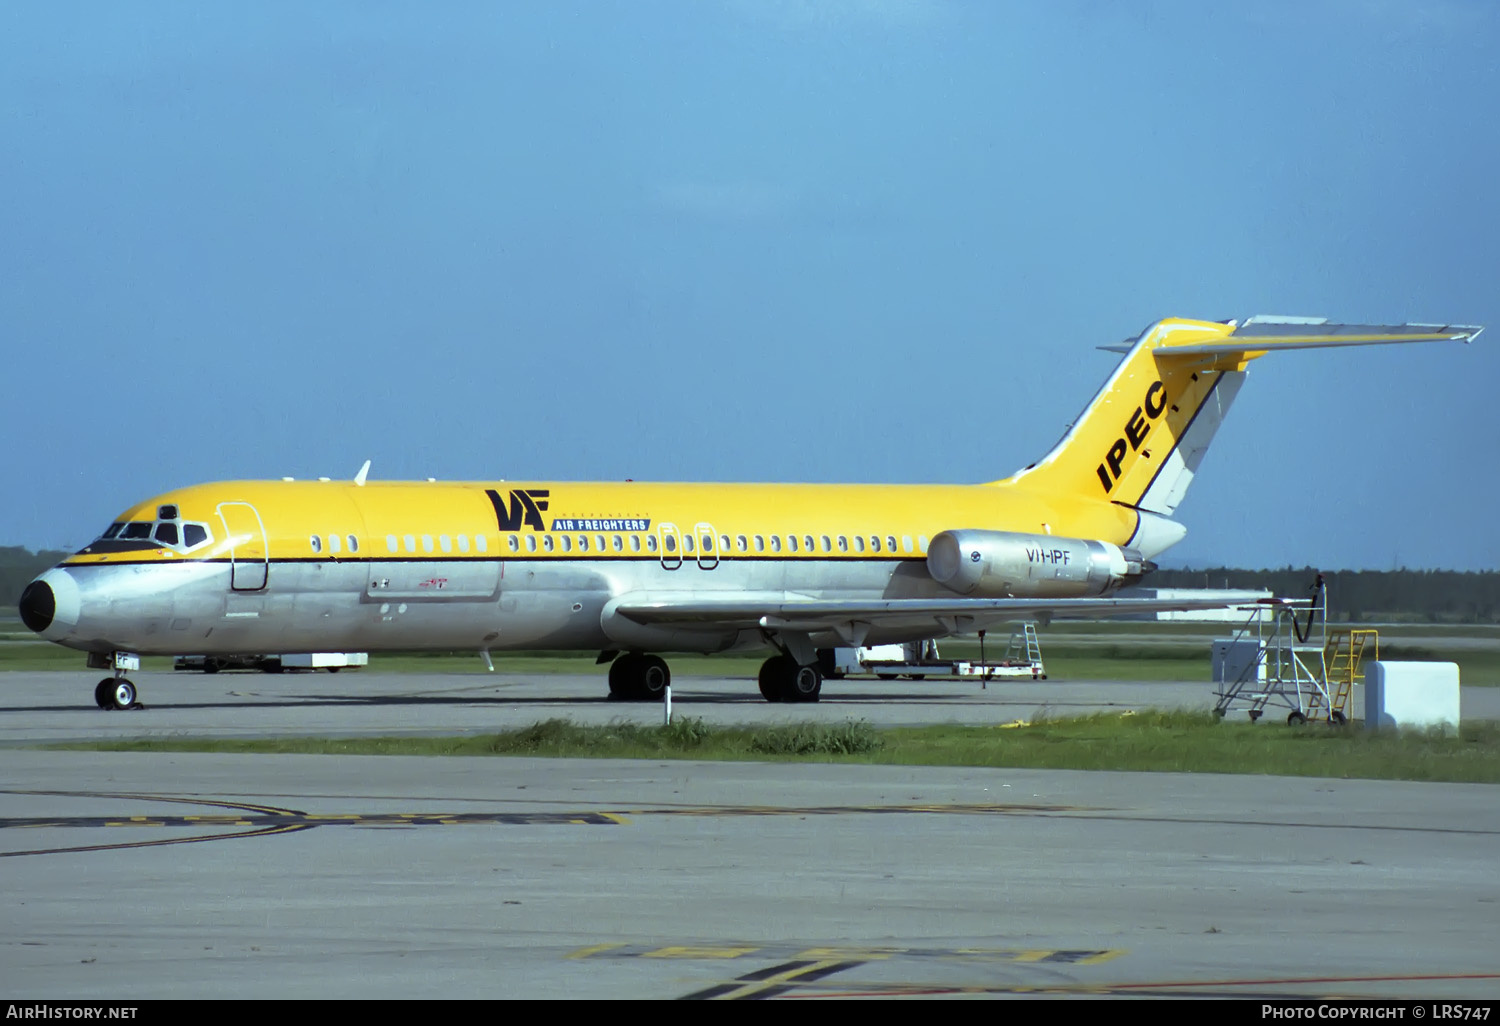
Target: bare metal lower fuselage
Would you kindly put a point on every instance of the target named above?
(374, 605)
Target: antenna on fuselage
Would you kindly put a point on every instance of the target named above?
(364, 471)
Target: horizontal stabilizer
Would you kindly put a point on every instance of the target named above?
(1264, 334)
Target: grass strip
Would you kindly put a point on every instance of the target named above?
(1176, 741)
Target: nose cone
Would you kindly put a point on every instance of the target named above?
(50, 604)
(38, 604)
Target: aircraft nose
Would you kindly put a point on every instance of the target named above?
(50, 604)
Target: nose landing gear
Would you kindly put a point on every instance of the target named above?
(116, 692)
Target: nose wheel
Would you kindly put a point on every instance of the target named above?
(115, 693)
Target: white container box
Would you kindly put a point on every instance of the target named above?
(1420, 695)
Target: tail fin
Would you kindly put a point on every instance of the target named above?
(1141, 439)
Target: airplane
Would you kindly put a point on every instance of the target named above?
(632, 570)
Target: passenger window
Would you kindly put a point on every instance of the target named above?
(635, 543)
(333, 543)
(167, 534)
(565, 543)
(670, 543)
(775, 543)
(874, 543)
(530, 542)
(742, 542)
(599, 542)
(906, 542)
(650, 543)
(409, 542)
(316, 542)
(687, 543)
(390, 543)
(619, 542)
(708, 543)
(808, 542)
(547, 542)
(922, 540)
(194, 534)
(515, 543)
(426, 543)
(445, 543)
(859, 543)
(481, 543)
(463, 543)
(890, 542)
(583, 543)
(353, 543)
(791, 543)
(760, 544)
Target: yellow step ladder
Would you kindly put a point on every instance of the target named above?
(1342, 656)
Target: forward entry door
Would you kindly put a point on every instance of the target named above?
(249, 561)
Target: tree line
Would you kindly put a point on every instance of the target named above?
(1355, 596)
(1438, 596)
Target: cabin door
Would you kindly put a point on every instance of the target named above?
(249, 560)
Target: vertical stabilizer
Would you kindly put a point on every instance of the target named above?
(1140, 441)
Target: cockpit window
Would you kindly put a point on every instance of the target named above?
(166, 512)
(142, 535)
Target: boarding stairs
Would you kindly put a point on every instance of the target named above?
(1309, 670)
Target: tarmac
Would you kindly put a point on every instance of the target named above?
(132, 877)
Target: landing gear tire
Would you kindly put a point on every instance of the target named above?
(638, 678)
(115, 693)
(782, 680)
(653, 678)
(621, 672)
(804, 685)
(771, 673)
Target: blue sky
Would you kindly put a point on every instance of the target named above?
(785, 240)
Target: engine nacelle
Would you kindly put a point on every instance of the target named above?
(1004, 564)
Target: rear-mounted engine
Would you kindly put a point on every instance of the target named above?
(1003, 564)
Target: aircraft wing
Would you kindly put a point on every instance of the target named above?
(853, 618)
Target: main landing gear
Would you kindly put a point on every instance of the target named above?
(634, 677)
(638, 678)
(783, 680)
